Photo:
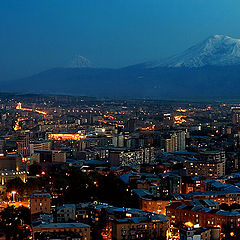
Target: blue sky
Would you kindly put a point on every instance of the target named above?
(41, 34)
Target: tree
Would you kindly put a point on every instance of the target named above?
(224, 207)
(17, 185)
(35, 169)
(235, 206)
(12, 219)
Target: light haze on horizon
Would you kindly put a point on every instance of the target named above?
(42, 34)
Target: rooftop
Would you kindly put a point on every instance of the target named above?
(61, 225)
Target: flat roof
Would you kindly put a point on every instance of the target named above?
(61, 225)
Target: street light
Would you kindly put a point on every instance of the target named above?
(14, 195)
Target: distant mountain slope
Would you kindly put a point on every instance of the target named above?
(209, 69)
(161, 82)
(218, 50)
(79, 62)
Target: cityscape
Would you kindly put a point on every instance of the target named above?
(119, 120)
(89, 168)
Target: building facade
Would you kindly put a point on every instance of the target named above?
(40, 202)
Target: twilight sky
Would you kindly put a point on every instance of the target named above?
(39, 34)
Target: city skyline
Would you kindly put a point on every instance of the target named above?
(119, 120)
(112, 169)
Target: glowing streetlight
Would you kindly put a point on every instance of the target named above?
(14, 195)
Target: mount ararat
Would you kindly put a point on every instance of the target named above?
(208, 69)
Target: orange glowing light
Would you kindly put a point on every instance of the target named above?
(189, 224)
(181, 110)
(17, 126)
(19, 107)
(180, 119)
(149, 128)
(65, 136)
(9, 153)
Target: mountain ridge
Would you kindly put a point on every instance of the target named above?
(141, 80)
(219, 50)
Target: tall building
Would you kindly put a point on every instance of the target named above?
(51, 156)
(236, 118)
(169, 184)
(118, 141)
(171, 143)
(126, 157)
(40, 202)
(205, 168)
(40, 145)
(181, 140)
(23, 145)
(175, 141)
(130, 125)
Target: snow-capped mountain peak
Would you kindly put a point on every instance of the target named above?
(79, 62)
(218, 50)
